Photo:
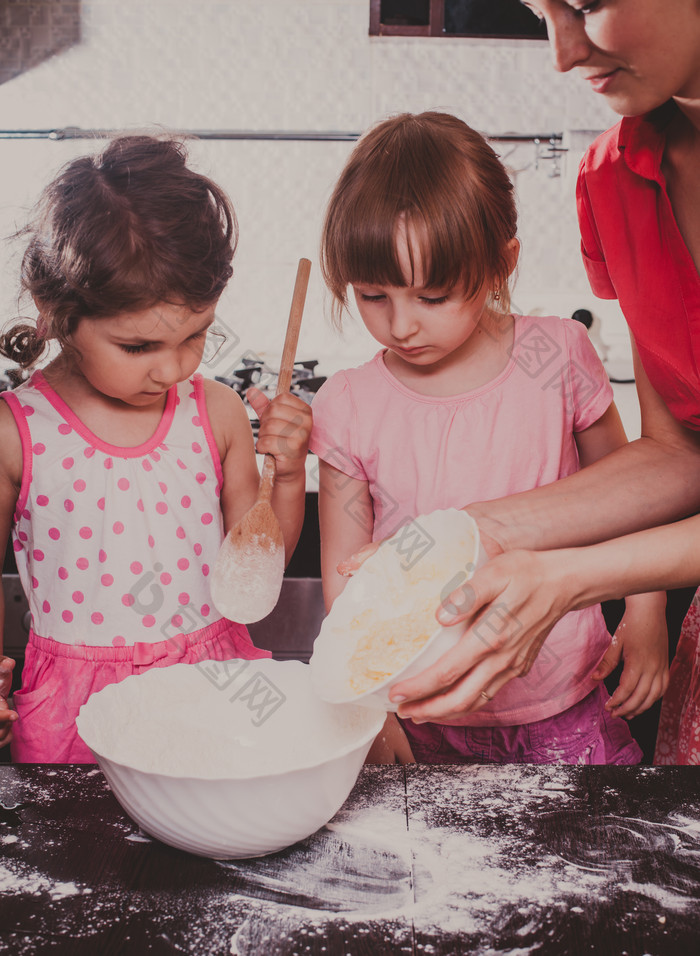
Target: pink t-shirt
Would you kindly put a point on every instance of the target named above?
(420, 453)
(114, 545)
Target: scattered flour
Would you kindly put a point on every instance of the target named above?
(139, 837)
(477, 878)
(16, 878)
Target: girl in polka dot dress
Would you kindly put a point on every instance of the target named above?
(120, 467)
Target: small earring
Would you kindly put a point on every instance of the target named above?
(497, 295)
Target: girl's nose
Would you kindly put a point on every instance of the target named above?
(568, 40)
(166, 371)
(402, 323)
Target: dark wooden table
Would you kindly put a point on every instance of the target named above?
(431, 860)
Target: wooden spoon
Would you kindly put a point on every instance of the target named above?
(247, 576)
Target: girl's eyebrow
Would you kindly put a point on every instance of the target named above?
(138, 339)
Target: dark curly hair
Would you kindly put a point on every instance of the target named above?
(121, 231)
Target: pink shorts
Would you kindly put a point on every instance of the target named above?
(583, 734)
(58, 678)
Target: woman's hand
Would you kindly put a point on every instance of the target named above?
(285, 428)
(641, 641)
(510, 605)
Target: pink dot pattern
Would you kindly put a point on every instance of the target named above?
(114, 546)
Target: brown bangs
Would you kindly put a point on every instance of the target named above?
(439, 177)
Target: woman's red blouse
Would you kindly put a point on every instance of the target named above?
(634, 252)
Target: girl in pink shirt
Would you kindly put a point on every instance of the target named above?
(466, 402)
(120, 467)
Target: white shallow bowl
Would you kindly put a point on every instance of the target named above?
(423, 562)
(227, 759)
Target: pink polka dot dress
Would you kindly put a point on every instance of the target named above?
(114, 545)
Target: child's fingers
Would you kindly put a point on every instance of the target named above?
(629, 682)
(285, 428)
(283, 409)
(643, 701)
(609, 661)
(7, 718)
(7, 665)
(641, 697)
(257, 400)
(352, 564)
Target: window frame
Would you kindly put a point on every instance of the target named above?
(435, 27)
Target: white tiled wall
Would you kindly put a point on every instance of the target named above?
(302, 65)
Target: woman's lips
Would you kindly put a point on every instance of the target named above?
(601, 81)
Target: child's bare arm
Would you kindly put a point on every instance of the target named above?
(285, 429)
(641, 639)
(10, 481)
(234, 440)
(391, 744)
(346, 518)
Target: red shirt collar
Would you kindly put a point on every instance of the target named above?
(642, 140)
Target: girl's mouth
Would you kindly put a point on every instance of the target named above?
(412, 350)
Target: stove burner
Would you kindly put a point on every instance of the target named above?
(12, 377)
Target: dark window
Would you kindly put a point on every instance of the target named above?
(454, 18)
(405, 13)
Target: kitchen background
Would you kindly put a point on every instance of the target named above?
(289, 67)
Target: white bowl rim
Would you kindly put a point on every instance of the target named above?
(366, 738)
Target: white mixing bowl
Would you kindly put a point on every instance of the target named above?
(227, 759)
(382, 627)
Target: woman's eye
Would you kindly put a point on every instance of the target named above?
(133, 349)
(370, 298)
(437, 300)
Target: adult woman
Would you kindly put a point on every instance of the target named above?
(639, 206)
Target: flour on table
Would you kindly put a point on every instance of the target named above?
(480, 882)
(17, 878)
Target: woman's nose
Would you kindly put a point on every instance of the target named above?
(568, 39)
